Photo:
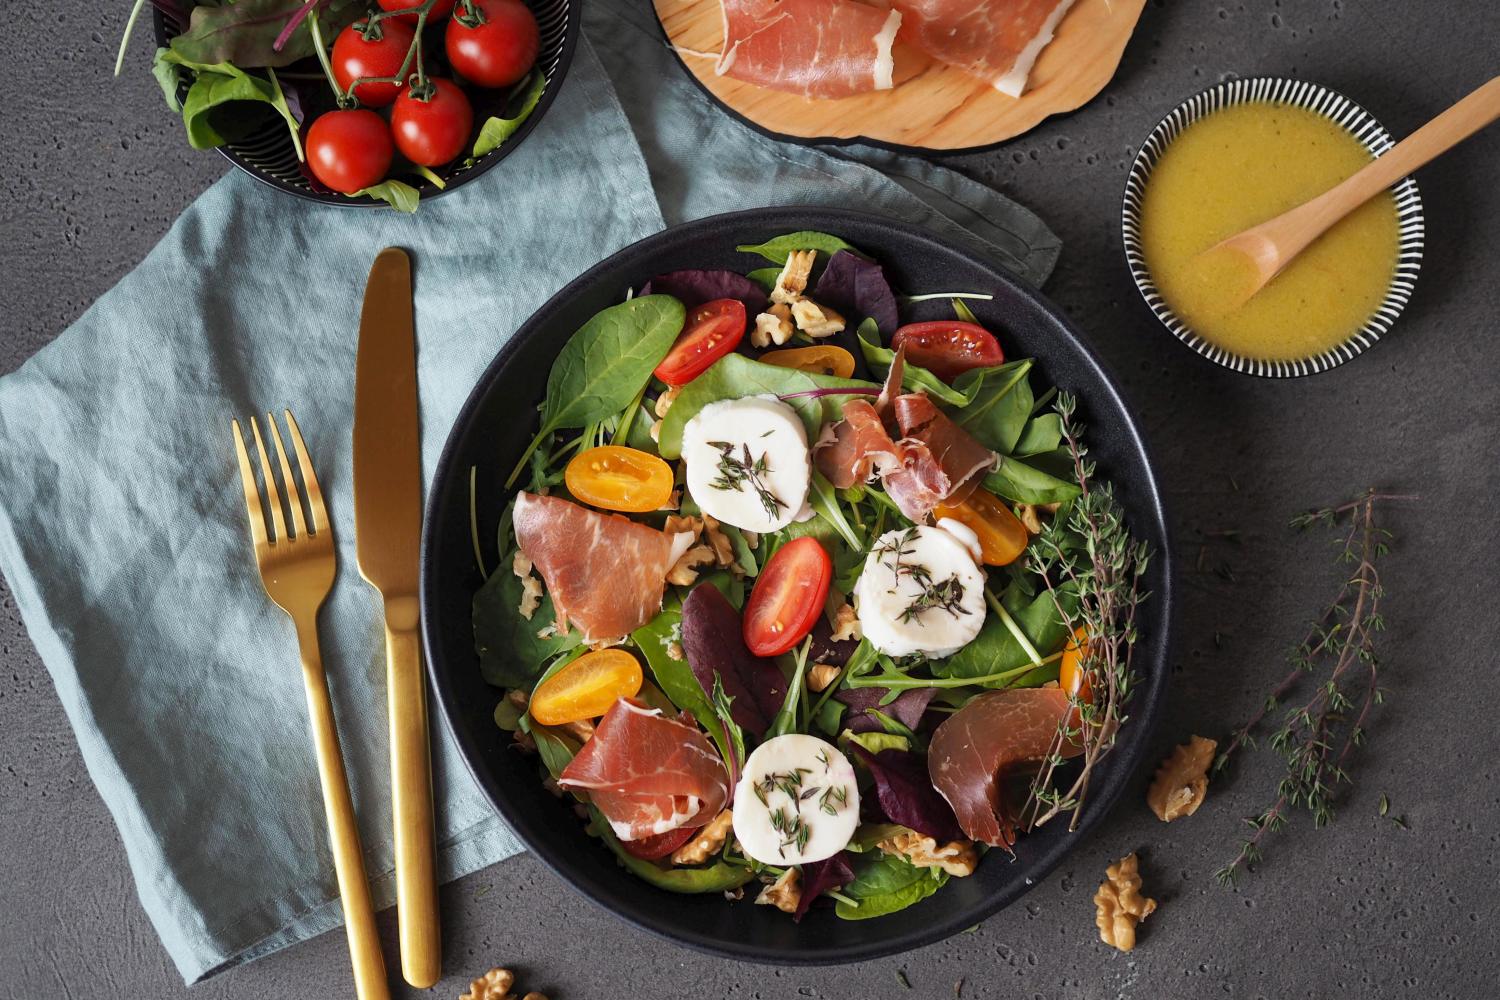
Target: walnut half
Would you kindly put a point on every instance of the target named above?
(784, 894)
(1120, 903)
(957, 857)
(707, 843)
(1182, 780)
(496, 985)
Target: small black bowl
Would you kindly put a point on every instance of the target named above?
(495, 424)
(267, 154)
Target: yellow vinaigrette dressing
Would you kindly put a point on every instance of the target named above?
(1235, 169)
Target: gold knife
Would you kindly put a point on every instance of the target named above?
(387, 530)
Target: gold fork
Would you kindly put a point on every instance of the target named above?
(297, 569)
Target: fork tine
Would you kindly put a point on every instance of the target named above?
(278, 521)
(293, 498)
(309, 478)
(252, 494)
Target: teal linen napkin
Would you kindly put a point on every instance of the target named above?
(122, 528)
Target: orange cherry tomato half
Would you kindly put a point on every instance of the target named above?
(1002, 536)
(788, 597)
(712, 331)
(824, 359)
(587, 687)
(659, 845)
(948, 347)
(617, 478)
(1070, 673)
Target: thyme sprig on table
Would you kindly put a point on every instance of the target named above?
(1104, 571)
(1317, 736)
(735, 472)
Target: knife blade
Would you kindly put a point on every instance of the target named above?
(387, 530)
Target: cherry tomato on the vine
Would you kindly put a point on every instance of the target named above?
(434, 129)
(380, 54)
(439, 10)
(492, 43)
(948, 347)
(349, 150)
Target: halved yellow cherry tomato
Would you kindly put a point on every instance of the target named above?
(821, 359)
(587, 687)
(1070, 673)
(1002, 536)
(617, 478)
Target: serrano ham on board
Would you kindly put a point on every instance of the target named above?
(648, 773)
(605, 573)
(816, 48)
(996, 41)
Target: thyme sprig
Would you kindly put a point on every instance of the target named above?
(947, 595)
(1317, 736)
(1105, 572)
(736, 471)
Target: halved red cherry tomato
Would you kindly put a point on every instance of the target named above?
(659, 845)
(788, 597)
(587, 687)
(1070, 673)
(821, 359)
(381, 54)
(1002, 536)
(712, 331)
(617, 478)
(948, 347)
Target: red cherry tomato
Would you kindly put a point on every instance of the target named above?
(432, 131)
(492, 43)
(349, 150)
(712, 331)
(948, 347)
(659, 845)
(355, 56)
(788, 597)
(440, 10)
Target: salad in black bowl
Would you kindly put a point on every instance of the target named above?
(804, 591)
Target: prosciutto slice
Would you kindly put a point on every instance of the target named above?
(649, 773)
(815, 48)
(977, 747)
(997, 41)
(604, 572)
(961, 458)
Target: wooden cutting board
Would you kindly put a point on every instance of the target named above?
(932, 106)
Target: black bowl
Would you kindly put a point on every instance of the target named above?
(495, 425)
(267, 154)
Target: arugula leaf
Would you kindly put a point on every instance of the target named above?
(510, 654)
(496, 130)
(995, 650)
(735, 376)
(400, 196)
(244, 32)
(1026, 482)
(604, 365)
(963, 312)
(875, 742)
(886, 884)
(778, 248)
(824, 499)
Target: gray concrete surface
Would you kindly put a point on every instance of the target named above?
(95, 170)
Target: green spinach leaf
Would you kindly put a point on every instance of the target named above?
(765, 277)
(496, 130)
(1042, 434)
(995, 650)
(1027, 482)
(886, 884)
(720, 876)
(656, 640)
(510, 654)
(778, 248)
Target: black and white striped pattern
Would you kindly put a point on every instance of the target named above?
(269, 156)
(1346, 113)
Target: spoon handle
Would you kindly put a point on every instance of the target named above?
(1472, 113)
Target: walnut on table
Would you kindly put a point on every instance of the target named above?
(957, 857)
(1181, 782)
(784, 894)
(1120, 903)
(707, 842)
(496, 985)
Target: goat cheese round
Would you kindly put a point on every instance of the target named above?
(797, 801)
(747, 462)
(920, 592)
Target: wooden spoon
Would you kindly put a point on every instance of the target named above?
(1248, 260)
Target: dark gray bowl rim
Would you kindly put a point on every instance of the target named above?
(1349, 115)
(427, 190)
(448, 485)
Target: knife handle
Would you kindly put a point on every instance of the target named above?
(411, 798)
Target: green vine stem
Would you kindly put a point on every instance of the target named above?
(135, 13)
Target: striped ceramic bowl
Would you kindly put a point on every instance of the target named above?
(269, 156)
(1338, 109)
